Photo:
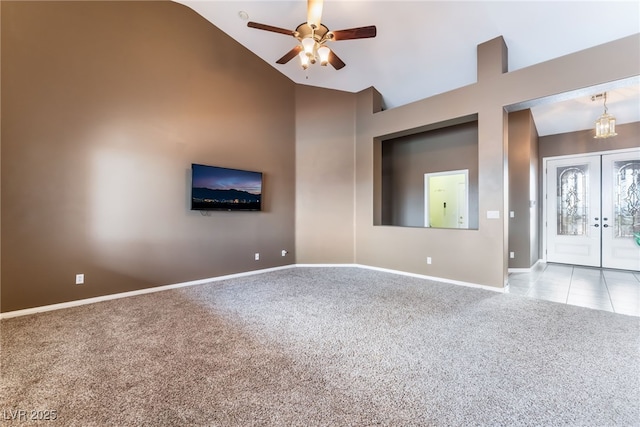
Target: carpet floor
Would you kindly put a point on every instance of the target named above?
(322, 347)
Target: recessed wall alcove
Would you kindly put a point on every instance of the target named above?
(405, 157)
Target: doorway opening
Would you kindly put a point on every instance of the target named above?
(446, 199)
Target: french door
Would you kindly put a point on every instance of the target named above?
(593, 210)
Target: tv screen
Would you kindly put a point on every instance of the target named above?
(216, 188)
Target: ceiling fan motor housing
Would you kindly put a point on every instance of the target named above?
(320, 34)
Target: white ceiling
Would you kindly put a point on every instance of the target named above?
(428, 47)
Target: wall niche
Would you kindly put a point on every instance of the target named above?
(405, 159)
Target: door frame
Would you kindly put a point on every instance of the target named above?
(543, 214)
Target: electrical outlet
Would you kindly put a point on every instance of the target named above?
(257, 256)
(79, 279)
(428, 260)
(512, 254)
(284, 252)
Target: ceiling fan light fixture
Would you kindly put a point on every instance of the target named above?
(323, 53)
(606, 123)
(311, 36)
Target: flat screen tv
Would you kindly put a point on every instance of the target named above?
(223, 189)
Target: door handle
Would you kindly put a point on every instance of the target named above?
(605, 219)
(596, 225)
(596, 219)
(606, 225)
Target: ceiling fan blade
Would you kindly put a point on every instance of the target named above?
(290, 55)
(270, 28)
(355, 33)
(335, 61)
(314, 12)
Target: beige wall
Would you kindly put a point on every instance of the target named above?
(583, 142)
(405, 160)
(523, 189)
(325, 126)
(482, 254)
(105, 106)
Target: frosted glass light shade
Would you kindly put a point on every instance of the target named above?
(308, 44)
(323, 53)
(304, 60)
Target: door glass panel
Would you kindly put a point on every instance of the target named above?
(573, 200)
(626, 182)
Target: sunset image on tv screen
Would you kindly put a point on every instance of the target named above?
(216, 188)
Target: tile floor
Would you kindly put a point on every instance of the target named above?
(611, 290)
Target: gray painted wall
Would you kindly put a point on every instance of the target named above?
(105, 106)
(483, 253)
(324, 175)
(405, 160)
(583, 142)
(523, 189)
(123, 96)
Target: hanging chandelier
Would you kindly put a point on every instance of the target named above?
(606, 123)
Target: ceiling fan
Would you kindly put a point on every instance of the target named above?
(313, 35)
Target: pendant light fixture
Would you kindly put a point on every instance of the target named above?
(606, 123)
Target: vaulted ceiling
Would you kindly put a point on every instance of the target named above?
(423, 48)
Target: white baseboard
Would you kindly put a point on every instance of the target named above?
(327, 265)
(86, 301)
(526, 270)
(433, 278)
(405, 273)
